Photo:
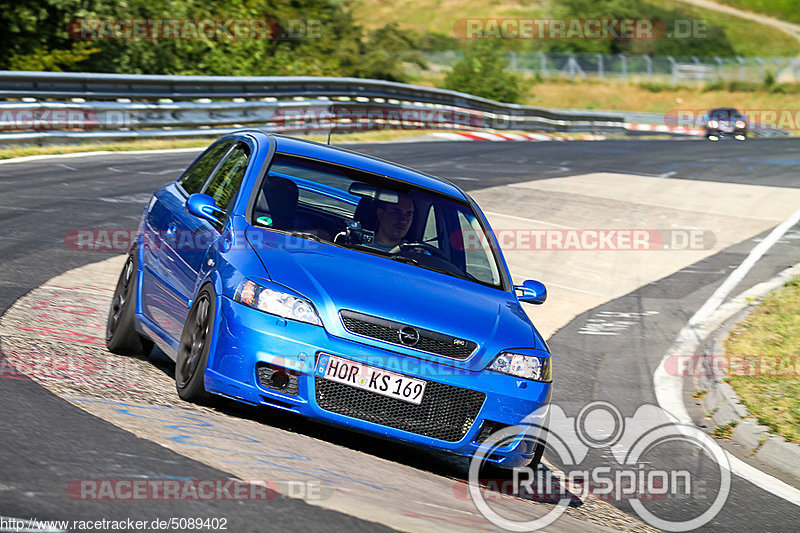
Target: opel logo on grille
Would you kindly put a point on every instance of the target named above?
(408, 336)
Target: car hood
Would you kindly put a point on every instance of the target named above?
(336, 278)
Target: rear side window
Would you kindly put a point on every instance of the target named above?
(226, 182)
(195, 177)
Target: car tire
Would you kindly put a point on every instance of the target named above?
(190, 364)
(121, 335)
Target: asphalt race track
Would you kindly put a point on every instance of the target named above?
(47, 441)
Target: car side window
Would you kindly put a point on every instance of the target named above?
(226, 182)
(196, 176)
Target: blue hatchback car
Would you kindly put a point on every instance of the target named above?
(285, 273)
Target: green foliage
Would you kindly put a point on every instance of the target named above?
(717, 85)
(734, 86)
(657, 87)
(785, 88)
(743, 86)
(482, 72)
(781, 9)
(34, 36)
(714, 42)
(769, 79)
(431, 41)
(725, 431)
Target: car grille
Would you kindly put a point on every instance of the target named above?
(446, 412)
(389, 331)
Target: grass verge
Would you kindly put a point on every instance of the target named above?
(769, 340)
(780, 9)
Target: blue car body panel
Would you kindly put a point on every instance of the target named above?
(333, 278)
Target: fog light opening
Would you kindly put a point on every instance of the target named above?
(279, 379)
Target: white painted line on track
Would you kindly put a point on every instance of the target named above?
(741, 271)
(526, 219)
(577, 290)
(669, 389)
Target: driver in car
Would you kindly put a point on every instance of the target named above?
(394, 221)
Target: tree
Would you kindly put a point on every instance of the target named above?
(482, 72)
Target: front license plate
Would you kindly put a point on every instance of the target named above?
(370, 378)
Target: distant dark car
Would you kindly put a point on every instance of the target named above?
(726, 122)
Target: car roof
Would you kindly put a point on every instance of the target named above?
(344, 157)
(729, 110)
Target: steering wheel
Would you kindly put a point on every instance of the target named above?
(424, 247)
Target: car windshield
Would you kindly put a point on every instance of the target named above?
(725, 114)
(374, 214)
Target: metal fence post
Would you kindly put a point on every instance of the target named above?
(513, 57)
(760, 68)
(719, 67)
(674, 73)
(778, 63)
(542, 64)
(600, 73)
(649, 62)
(741, 67)
(624, 61)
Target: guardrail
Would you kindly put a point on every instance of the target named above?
(106, 106)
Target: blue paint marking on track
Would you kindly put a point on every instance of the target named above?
(187, 427)
(769, 161)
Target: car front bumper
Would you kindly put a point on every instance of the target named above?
(723, 133)
(246, 340)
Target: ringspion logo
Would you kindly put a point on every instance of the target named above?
(632, 470)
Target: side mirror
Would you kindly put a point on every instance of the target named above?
(531, 292)
(203, 206)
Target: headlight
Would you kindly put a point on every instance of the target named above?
(713, 123)
(523, 366)
(740, 124)
(276, 302)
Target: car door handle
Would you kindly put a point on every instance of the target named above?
(172, 229)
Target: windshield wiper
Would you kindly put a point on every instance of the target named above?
(412, 261)
(407, 260)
